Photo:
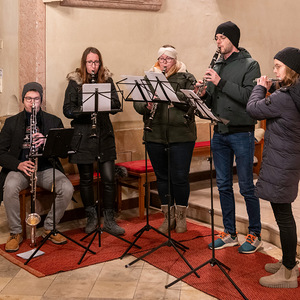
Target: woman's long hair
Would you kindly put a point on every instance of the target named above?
(291, 77)
(83, 72)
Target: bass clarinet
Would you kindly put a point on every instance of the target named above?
(33, 219)
(192, 110)
(148, 122)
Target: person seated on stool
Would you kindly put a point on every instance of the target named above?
(179, 133)
(280, 169)
(16, 166)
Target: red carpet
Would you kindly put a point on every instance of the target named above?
(245, 269)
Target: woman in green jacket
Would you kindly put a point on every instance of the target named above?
(171, 130)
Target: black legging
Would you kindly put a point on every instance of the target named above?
(107, 172)
(288, 232)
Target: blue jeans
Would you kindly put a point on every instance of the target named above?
(180, 161)
(224, 148)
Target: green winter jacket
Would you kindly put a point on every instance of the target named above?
(229, 99)
(178, 129)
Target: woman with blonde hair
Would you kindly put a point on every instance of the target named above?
(171, 129)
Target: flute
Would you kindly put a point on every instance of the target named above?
(269, 79)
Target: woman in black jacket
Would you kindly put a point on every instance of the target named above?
(280, 172)
(93, 144)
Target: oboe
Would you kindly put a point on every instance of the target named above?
(94, 114)
(148, 122)
(33, 219)
(193, 108)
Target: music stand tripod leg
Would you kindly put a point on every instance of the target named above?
(54, 231)
(213, 261)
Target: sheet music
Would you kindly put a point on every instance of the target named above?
(131, 86)
(104, 97)
(155, 79)
(201, 106)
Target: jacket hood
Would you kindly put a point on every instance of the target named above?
(76, 76)
(295, 94)
(179, 67)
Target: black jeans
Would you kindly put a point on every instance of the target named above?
(107, 172)
(180, 161)
(288, 232)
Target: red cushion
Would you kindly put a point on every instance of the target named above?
(137, 166)
(202, 144)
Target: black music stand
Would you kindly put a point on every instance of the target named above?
(161, 88)
(204, 112)
(93, 97)
(57, 145)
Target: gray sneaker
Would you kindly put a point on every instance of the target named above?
(225, 240)
(274, 267)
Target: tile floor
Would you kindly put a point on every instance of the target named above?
(111, 280)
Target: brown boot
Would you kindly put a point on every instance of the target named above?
(283, 278)
(12, 244)
(55, 238)
(164, 226)
(180, 219)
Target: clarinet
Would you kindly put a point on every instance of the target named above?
(193, 108)
(33, 219)
(94, 114)
(148, 122)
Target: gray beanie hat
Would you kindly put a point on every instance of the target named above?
(32, 86)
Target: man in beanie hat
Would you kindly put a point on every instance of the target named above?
(280, 169)
(229, 86)
(17, 167)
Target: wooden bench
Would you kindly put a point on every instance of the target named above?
(136, 178)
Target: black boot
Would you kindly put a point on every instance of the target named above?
(92, 219)
(110, 224)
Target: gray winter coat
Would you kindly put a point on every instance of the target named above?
(280, 172)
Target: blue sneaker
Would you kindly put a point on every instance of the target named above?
(225, 240)
(252, 243)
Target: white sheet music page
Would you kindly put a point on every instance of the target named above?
(133, 83)
(163, 89)
(88, 96)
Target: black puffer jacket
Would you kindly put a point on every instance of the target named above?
(280, 172)
(89, 148)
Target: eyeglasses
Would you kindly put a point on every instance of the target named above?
(95, 62)
(167, 59)
(29, 99)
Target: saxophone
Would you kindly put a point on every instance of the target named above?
(193, 108)
(33, 219)
(148, 122)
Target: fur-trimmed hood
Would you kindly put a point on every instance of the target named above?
(76, 76)
(178, 68)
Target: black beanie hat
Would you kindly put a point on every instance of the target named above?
(32, 86)
(290, 57)
(231, 31)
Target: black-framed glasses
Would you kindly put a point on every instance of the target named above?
(30, 99)
(95, 62)
(167, 59)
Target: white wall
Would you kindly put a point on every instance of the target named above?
(9, 57)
